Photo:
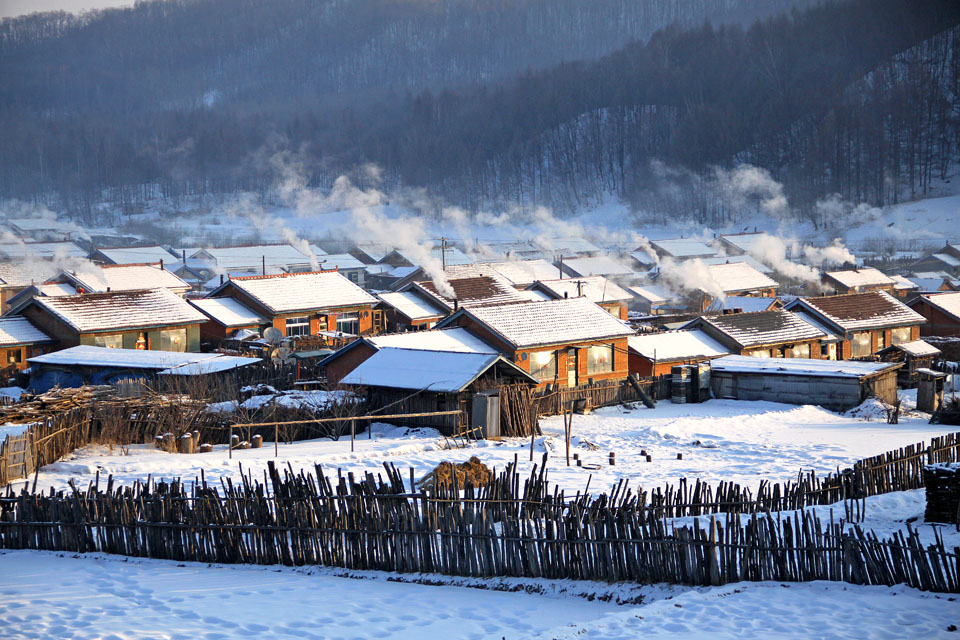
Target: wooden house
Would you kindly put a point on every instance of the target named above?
(311, 303)
(20, 340)
(349, 357)
(596, 289)
(225, 318)
(739, 279)
(565, 342)
(17, 276)
(422, 381)
(764, 334)
(349, 266)
(407, 311)
(121, 277)
(914, 355)
(838, 386)
(864, 322)
(941, 312)
(655, 354)
(858, 281)
(946, 259)
(470, 285)
(149, 319)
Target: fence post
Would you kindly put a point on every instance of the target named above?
(352, 434)
(230, 442)
(276, 440)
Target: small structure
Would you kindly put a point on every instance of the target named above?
(415, 381)
(942, 484)
(227, 317)
(656, 354)
(930, 390)
(744, 304)
(914, 355)
(858, 281)
(834, 385)
(407, 311)
(20, 340)
(82, 365)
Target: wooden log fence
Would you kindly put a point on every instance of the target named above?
(495, 530)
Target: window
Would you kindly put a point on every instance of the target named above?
(860, 346)
(348, 324)
(14, 356)
(299, 326)
(599, 359)
(763, 353)
(899, 335)
(173, 340)
(543, 365)
(114, 341)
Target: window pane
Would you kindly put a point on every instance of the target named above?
(111, 342)
(543, 365)
(860, 345)
(299, 326)
(173, 340)
(801, 351)
(599, 359)
(899, 335)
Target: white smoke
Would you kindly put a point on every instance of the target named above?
(690, 276)
(19, 210)
(773, 251)
(834, 254)
(837, 212)
(747, 185)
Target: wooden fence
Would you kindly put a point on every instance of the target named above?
(490, 531)
(604, 393)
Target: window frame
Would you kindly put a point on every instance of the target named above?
(607, 350)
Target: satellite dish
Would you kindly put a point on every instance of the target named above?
(272, 335)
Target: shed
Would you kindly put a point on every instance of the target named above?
(422, 381)
(655, 354)
(914, 355)
(832, 384)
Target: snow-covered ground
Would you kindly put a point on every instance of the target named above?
(729, 440)
(109, 597)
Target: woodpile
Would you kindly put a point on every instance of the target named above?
(35, 407)
(448, 474)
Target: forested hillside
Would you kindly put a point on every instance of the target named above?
(483, 102)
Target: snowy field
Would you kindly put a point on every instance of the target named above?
(108, 597)
(743, 442)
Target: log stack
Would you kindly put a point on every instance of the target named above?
(942, 482)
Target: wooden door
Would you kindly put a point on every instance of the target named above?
(571, 367)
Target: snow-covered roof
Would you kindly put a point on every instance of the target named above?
(36, 224)
(339, 261)
(566, 246)
(87, 355)
(596, 266)
(676, 345)
(123, 277)
(756, 264)
(209, 365)
(739, 276)
(228, 311)
(473, 285)
(532, 324)
(136, 255)
(857, 311)
(946, 258)
(831, 333)
(917, 348)
(277, 255)
(23, 274)
(926, 284)
(653, 293)
(442, 371)
(683, 248)
(220, 278)
(451, 256)
(411, 305)
(291, 292)
(57, 289)
(41, 250)
(902, 283)
(948, 303)
(746, 304)
(17, 330)
(801, 366)
(120, 310)
(744, 241)
(593, 288)
(644, 257)
(762, 327)
(453, 339)
(524, 272)
(865, 277)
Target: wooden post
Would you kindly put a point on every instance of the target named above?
(230, 446)
(276, 440)
(352, 434)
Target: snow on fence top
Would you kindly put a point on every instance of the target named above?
(676, 345)
(801, 367)
(228, 312)
(858, 311)
(550, 322)
(121, 310)
(291, 292)
(17, 330)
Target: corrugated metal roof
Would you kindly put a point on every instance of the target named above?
(551, 322)
(763, 327)
(16, 330)
(858, 311)
(121, 310)
(292, 292)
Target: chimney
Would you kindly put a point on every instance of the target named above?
(456, 304)
(566, 294)
(263, 265)
(108, 289)
(221, 278)
(161, 264)
(183, 252)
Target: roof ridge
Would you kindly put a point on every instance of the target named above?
(281, 275)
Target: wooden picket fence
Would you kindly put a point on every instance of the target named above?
(603, 393)
(499, 529)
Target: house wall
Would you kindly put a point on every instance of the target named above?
(617, 309)
(358, 353)
(846, 347)
(24, 351)
(621, 367)
(938, 323)
(52, 326)
(645, 368)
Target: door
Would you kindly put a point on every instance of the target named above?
(571, 367)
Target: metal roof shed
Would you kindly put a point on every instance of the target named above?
(832, 384)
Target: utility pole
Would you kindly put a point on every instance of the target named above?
(580, 284)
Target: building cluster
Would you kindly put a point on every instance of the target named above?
(562, 312)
